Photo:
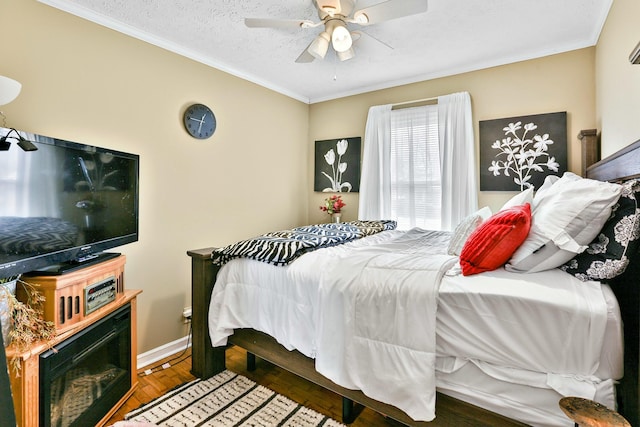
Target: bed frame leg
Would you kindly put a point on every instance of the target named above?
(251, 362)
(347, 411)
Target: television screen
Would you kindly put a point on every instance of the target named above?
(63, 203)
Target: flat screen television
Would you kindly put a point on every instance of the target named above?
(63, 203)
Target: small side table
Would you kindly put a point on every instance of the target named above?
(587, 413)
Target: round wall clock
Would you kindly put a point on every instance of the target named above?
(199, 121)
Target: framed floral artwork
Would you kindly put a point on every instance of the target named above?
(337, 165)
(519, 152)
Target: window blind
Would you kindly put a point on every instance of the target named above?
(416, 186)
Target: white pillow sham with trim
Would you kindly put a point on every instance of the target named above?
(566, 217)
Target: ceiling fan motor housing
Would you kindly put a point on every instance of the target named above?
(331, 8)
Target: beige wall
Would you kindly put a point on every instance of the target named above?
(86, 83)
(563, 82)
(617, 80)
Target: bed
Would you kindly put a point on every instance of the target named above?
(467, 390)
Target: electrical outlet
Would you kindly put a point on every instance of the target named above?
(186, 314)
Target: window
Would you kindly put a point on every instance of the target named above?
(419, 165)
(416, 186)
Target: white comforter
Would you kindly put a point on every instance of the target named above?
(353, 316)
(376, 330)
(374, 311)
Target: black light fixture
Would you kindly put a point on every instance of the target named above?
(634, 57)
(22, 143)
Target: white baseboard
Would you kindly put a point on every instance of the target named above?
(165, 350)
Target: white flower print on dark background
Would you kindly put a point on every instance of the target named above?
(337, 165)
(519, 152)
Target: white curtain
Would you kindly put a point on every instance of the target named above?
(375, 180)
(457, 162)
(457, 158)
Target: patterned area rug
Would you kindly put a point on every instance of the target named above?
(227, 399)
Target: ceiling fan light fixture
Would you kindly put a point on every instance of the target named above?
(320, 45)
(341, 38)
(346, 55)
(361, 18)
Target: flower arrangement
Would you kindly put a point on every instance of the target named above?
(27, 324)
(333, 204)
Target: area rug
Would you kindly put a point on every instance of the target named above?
(227, 399)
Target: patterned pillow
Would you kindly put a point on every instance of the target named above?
(607, 255)
(465, 228)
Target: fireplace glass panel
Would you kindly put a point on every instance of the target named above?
(83, 377)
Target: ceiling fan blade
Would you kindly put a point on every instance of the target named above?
(277, 23)
(305, 56)
(390, 9)
(368, 42)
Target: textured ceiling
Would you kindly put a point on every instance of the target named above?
(452, 37)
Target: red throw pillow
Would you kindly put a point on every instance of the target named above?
(491, 244)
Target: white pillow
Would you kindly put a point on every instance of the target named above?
(465, 228)
(525, 196)
(566, 217)
(549, 180)
(547, 184)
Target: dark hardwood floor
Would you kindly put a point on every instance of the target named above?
(266, 374)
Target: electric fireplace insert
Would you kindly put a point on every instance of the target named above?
(83, 377)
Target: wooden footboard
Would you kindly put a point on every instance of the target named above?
(208, 361)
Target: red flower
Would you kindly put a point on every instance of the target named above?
(333, 204)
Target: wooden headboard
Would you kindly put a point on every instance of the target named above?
(621, 166)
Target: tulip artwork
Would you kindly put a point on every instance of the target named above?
(337, 169)
(337, 165)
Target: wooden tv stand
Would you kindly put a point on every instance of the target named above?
(26, 384)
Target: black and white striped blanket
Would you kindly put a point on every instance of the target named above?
(282, 247)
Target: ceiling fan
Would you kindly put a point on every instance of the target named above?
(335, 16)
